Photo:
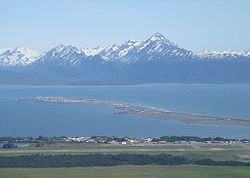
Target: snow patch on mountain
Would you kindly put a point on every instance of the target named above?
(118, 52)
(2, 50)
(91, 52)
(207, 54)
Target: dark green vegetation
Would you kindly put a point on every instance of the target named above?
(85, 160)
(187, 171)
(9, 146)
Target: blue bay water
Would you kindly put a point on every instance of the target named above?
(27, 118)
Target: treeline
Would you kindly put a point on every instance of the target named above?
(86, 160)
(8, 146)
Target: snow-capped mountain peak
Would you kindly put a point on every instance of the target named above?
(18, 56)
(59, 48)
(159, 47)
(63, 55)
(133, 50)
(158, 37)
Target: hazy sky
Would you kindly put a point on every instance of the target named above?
(192, 24)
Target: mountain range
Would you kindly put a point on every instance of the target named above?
(154, 60)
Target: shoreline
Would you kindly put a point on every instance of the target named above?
(112, 85)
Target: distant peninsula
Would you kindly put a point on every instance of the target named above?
(146, 112)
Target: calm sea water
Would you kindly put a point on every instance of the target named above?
(26, 118)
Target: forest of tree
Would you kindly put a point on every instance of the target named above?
(84, 160)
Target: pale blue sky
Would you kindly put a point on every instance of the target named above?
(192, 24)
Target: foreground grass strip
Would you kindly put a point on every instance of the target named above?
(187, 171)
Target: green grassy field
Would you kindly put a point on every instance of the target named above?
(237, 152)
(188, 171)
(217, 152)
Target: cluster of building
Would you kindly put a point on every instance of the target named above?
(124, 140)
(148, 140)
(108, 140)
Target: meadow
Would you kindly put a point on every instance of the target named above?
(187, 171)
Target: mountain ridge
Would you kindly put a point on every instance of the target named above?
(154, 60)
(129, 51)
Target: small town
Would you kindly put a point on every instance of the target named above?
(153, 141)
(140, 141)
